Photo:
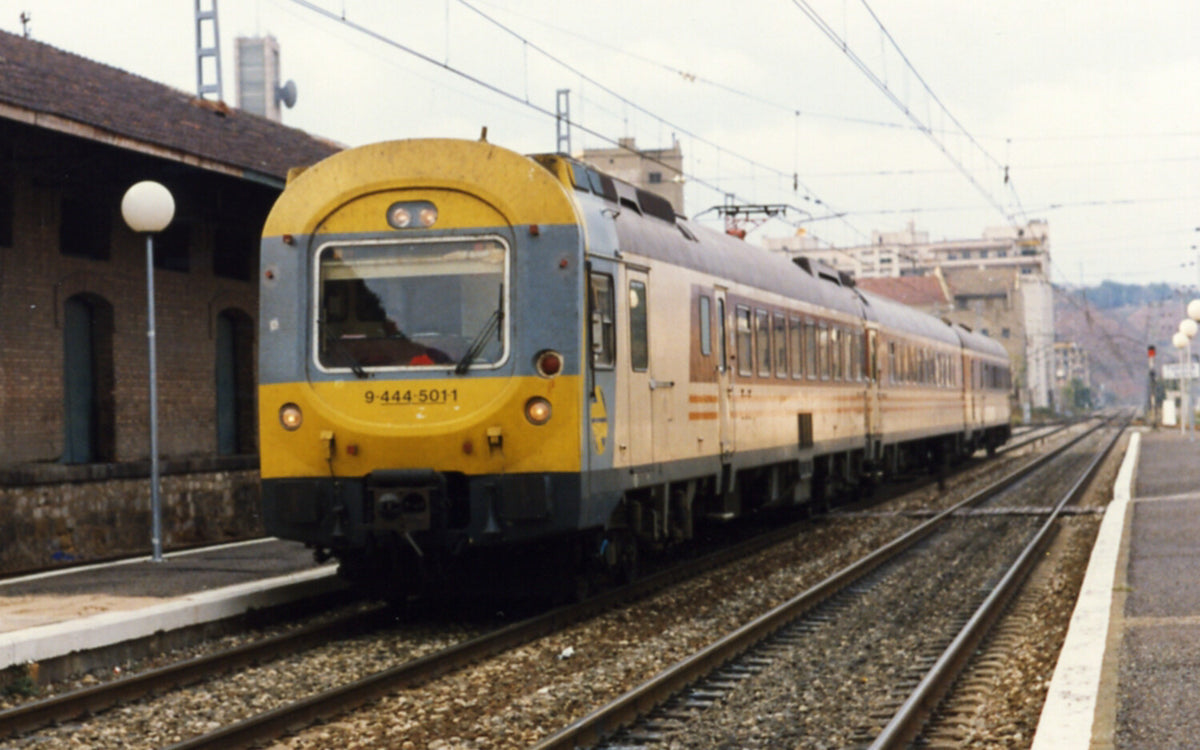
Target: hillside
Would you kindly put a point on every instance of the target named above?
(1116, 333)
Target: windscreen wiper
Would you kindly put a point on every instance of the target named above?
(353, 363)
(480, 341)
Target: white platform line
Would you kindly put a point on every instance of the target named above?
(1070, 708)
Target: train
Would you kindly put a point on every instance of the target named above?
(469, 354)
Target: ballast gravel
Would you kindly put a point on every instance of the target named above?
(522, 696)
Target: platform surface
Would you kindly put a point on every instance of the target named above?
(51, 614)
(1127, 676)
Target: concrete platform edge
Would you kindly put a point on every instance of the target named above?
(98, 631)
(1068, 714)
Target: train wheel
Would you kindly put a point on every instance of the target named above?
(621, 555)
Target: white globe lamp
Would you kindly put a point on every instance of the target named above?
(148, 208)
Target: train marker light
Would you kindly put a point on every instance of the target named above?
(290, 417)
(549, 363)
(537, 411)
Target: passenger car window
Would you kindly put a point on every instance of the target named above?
(603, 330)
(745, 347)
(639, 344)
(762, 338)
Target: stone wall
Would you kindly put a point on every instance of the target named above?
(52, 513)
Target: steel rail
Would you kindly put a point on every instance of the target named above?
(909, 719)
(627, 708)
(1010, 447)
(92, 700)
(296, 716)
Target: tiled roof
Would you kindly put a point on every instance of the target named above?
(917, 291)
(40, 79)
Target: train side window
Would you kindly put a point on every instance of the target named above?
(856, 357)
(891, 361)
(796, 341)
(781, 345)
(837, 366)
(603, 329)
(762, 336)
(705, 326)
(745, 349)
(639, 343)
(823, 352)
(722, 364)
(810, 350)
(849, 361)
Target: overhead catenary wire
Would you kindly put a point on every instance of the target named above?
(515, 98)
(645, 111)
(840, 42)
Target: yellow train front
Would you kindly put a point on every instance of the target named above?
(420, 357)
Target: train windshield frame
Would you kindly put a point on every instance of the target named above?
(412, 304)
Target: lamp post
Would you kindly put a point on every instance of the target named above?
(1193, 316)
(148, 208)
(1180, 341)
(1187, 330)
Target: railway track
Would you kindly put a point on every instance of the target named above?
(325, 704)
(89, 701)
(667, 707)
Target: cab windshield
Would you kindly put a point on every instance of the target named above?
(411, 304)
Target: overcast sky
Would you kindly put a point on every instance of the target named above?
(1092, 108)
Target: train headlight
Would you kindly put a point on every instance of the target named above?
(549, 363)
(290, 417)
(537, 410)
(399, 216)
(408, 214)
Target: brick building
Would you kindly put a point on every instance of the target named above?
(74, 406)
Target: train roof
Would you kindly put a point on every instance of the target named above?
(979, 343)
(899, 316)
(647, 225)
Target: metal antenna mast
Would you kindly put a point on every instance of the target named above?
(208, 18)
(562, 121)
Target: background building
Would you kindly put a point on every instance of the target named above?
(998, 284)
(658, 170)
(74, 405)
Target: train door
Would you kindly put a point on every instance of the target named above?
(724, 379)
(639, 417)
(602, 336)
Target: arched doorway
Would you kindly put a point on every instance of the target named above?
(89, 424)
(235, 383)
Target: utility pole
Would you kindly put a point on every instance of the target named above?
(206, 19)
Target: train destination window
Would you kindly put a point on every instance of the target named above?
(604, 348)
(779, 336)
(639, 343)
(762, 339)
(745, 349)
(412, 304)
(705, 326)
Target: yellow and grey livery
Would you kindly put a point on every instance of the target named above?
(465, 351)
